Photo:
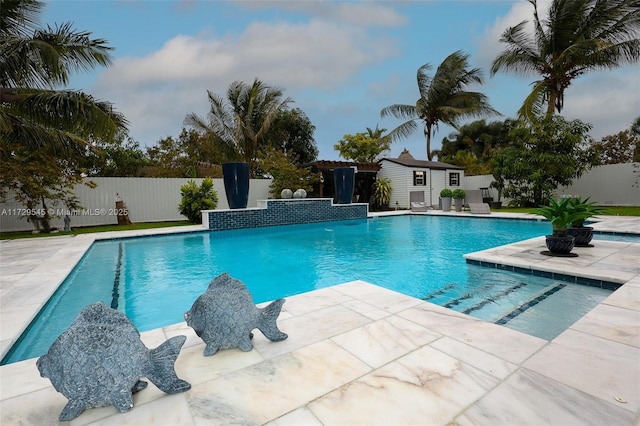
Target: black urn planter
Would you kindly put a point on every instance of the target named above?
(560, 245)
(582, 235)
(236, 184)
(344, 180)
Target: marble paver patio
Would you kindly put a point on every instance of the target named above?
(361, 354)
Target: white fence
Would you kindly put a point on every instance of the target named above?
(146, 199)
(157, 199)
(608, 185)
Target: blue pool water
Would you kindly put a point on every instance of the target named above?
(154, 280)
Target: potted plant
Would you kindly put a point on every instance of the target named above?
(582, 209)
(445, 199)
(458, 195)
(561, 215)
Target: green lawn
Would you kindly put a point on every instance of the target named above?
(100, 228)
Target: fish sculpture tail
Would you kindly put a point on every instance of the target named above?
(267, 323)
(162, 373)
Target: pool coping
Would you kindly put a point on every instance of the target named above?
(71, 249)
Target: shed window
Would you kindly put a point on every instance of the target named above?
(419, 178)
(454, 179)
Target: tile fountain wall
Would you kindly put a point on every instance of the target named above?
(283, 212)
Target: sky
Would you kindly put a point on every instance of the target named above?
(340, 62)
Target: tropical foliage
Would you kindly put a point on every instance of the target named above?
(285, 173)
(46, 133)
(559, 213)
(545, 155)
(197, 198)
(579, 36)
(443, 98)
(239, 123)
(34, 61)
(364, 147)
(292, 133)
(381, 193)
(474, 145)
(583, 209)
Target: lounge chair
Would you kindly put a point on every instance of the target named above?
(416, 199)
(472, 196)
(479, 208)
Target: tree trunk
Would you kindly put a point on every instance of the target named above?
(427, 134)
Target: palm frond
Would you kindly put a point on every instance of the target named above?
(403, 131)
(401, 112)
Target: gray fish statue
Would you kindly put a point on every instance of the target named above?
(224, 316)
(99, 360)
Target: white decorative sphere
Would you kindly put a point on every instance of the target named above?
(300, 193)
(286, 193)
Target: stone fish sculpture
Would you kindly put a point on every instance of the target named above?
(224, 316)
(99, 360)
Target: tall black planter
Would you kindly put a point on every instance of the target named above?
(344, 180)
(236, 184)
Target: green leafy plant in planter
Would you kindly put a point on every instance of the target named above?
(582, 210)
(458, 195)
(445, 196)
(561, 215)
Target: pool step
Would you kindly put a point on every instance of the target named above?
(439, 292)
(523, 307)
(485, 300)
(493, 298)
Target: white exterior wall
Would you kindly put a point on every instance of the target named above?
(147, 200)
(402, 182)
(397, 174)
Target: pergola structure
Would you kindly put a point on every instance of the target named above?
(364, 178)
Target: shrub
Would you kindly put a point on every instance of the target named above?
(195, 199)
(446, 193)
(381, 192)
(458, 194)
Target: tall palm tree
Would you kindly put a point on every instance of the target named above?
(33, 62)
(579, 36)
(443, 98)
(239, 123)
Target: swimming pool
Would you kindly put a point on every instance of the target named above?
(154, 280)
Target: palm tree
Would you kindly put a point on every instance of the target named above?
(239, 124)
(443, 98)
(579, 36)
(33, 62)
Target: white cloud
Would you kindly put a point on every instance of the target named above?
(607, 100)
(362, 13)
(157, 91)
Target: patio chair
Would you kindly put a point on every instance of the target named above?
(479, 208)
(416, 199)
(472, 196)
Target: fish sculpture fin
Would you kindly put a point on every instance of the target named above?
(267, 322)
(123, 401)
(162, 373)
(245, 344)
(72, 410)
(210, 349)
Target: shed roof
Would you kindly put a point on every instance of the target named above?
(330, 165)
(410, 162)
